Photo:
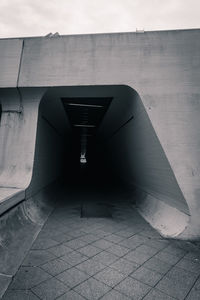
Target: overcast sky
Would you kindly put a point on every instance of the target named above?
(39, 17)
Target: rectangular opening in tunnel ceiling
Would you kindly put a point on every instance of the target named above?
(85, 115)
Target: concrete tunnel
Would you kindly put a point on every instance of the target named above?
(109, 127)
(127, 103)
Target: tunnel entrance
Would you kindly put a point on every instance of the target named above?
(99, 139)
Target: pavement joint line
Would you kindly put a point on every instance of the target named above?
(192, 286)
(161, 292)
(166, 274)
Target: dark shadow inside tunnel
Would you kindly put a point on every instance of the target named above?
(99, 141)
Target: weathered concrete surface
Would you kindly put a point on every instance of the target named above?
(162, 67)
(10, 57)
(17, 136)
(9, 197)
(18, 229)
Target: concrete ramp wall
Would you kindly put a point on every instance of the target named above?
(138, 158)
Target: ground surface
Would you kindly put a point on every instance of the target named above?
(119, 257)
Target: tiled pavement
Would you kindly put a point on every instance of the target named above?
(117, 258)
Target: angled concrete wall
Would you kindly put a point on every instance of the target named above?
(138, 158)
(163, 67)
(50, 148)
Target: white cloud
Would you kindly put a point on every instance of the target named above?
(39, 17)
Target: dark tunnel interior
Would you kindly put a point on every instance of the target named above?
(85, 116)
(100, 142)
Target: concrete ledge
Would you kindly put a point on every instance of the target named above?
(9, 197)
(19, 228)
(168, 220)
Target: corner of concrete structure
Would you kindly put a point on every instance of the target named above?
(169, 221)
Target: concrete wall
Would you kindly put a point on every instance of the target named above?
(51, 145)
(136, 155)
(17, 136)
(163, 67)
(10, 59)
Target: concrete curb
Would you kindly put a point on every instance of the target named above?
(19, 228)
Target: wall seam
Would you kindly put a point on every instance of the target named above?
(20, 63)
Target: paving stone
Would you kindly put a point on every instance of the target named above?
(72, 277)
(4, 283)
(102, 244)
(76, 233)
(194, 255)
(50, 289)
(128, 244)
(177, 283)
(114, 295)
(89, 250)
(92, 289)
(125, 233)
(133, 242)
(131, 287)
(157, 244)
(146, 276)
(91, 266)
(60, 250)
(74, 258)
(110, 276)
(71, 295)
(106, 258)
(157, 265)
(167, 257)
(179, 274)
(37, 257)
(62, 237)
(138, 256)
(124, 266)
(43, 243)
(114, 238)
(138, 239)
(88, 229)
(192, 266)
(55, 266)
(118, 250)
(194, 294)
(109, 228)
(75, 244)
(175, 250)
(147, 249)
(157, 295)
(101, 233)
(19, 295)
(89, 238)
(28, 277)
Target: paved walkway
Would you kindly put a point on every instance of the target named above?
(117, 258)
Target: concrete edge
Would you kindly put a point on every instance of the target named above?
(167, 220)
(9, 198)
(19, 227)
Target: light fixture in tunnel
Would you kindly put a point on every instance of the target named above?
(85, 125)
(85, 105)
